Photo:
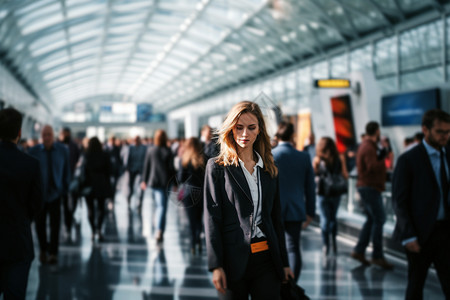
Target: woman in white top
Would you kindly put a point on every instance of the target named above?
(244, 234)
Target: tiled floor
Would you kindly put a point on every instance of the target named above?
(129, 265)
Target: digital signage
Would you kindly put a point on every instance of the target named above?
(408, 108)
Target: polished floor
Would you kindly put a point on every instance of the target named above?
(130, 265)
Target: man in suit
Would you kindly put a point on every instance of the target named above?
(55, 171)
(297, 192)
(420, 198)
(70, 200)
(135, 163)
(20, 201)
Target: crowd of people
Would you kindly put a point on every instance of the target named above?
(249, 196)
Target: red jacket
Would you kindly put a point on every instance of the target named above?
(371, 171)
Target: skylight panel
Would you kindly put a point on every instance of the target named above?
(77, 11)
(44, 21)
(132, 6)
(50, 47)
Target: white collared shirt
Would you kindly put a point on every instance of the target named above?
(254, 183)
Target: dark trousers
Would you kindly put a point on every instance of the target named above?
(14, 279)
(292, 233)
(69, 206)
(131, 183)
(260, 279)
(96, 223)
(373, 227)
(437, 251)
(194, 214)
(53, 209)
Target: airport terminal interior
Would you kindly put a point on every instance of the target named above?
(128, 68)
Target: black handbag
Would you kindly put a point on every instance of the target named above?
(331, 184)
(291, 291)
(334, 185)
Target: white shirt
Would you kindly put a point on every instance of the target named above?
(254, 183)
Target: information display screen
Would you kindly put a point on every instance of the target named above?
(408, 108)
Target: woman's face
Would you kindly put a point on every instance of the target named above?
(246, 130)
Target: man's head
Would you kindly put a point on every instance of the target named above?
(436, 128)
(373, 131)
(47, 136)
(10, 124)
(64, 135)
(137, 140)
(285, 132)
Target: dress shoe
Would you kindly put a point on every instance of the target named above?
(52, 259)
(382, 263)
(360, 257)
(43, 258)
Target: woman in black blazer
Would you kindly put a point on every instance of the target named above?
(243, 228)
(191, 174)
(97, 171)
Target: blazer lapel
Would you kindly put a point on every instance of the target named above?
(238, 176)
(265, 187)
(428, 163)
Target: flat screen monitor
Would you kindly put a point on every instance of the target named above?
(344, 127)
(144, 112)
(407, 109)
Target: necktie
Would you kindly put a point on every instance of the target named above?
(444, 185)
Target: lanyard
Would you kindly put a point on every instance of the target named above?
(257, 203)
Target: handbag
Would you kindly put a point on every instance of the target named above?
(291, 291)
(331, 184)
(78, 184)
(334, 185)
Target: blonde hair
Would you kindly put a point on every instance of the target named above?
(228, 149)
(193, 154)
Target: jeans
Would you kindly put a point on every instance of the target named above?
(328, 208)
(292, 233)
(159, 195)
(131, 183)
(373, 227)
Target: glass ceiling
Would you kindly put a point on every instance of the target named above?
(171, 52)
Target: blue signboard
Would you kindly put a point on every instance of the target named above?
(408, 108)
(144, 112)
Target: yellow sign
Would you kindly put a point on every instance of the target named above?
(332, 83)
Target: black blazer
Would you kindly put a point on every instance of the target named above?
(158, 171)
(415, 195)
(98, 171)
(228, 217)
(20, 201)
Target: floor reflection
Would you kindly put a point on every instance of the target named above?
(130, 265)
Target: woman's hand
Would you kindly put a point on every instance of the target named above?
(219, 280)
(143, 186)
(288, 273)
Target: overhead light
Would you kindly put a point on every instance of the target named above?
(200, 6)
(303, 27)
(183, 27)
(256, 31)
